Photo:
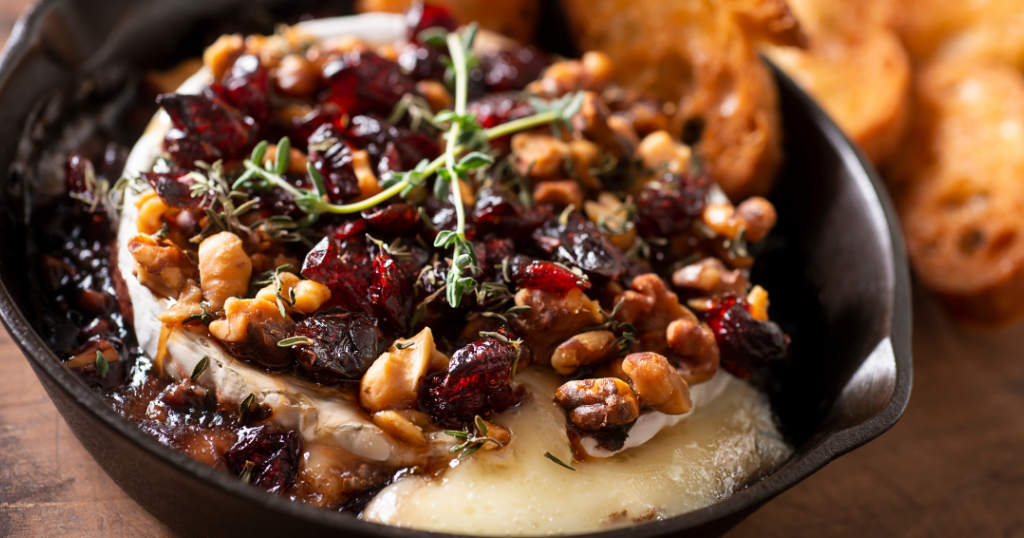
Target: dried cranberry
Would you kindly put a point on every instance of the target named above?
(174, 188)
(397, 218)
(362, 81)
(391, 292)
(671, 209)
(389, 162)
(492, 252)
(274, 456)
(478, 382)
(332, 158)
(375, 134)
(578, 242)
(512, 70)
(422, 15)
(244, 86)
(745, 343)
(422, 62)
(495, 109)
(352, 229)
(205, 129)
(521, 227)
(346, 268)
(547, 276)
(344, 345)
(492, 204)
(304, 127)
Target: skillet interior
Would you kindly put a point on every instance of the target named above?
(835, 266)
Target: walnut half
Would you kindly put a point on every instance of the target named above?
(595, 404)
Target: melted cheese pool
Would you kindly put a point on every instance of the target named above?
(710, 455)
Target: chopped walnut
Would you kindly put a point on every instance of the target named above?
(758, 217)
(595, 404)
(309, 295)
(437, 96)
(221, 55)
(592, 121)
(553, 318)
(251, 329)
(224, 268)
(612, 218)
(695, 348)
(758, 300)
(561, 193)
(711, 277)
(585, 348)
(393, 380)
(153, 212)
(657, 384)
(397, 425)
(296, 76)
(296, 159)
(586, 155)
(539, 155)
(160, 265)
(755, 216)
(593, 72)
(189, 304)
(659, 150)
(667, 327)
(368, 184)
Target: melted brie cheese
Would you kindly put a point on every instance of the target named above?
(717, 450)
(669, 464)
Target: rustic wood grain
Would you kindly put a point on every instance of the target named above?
(952, 467)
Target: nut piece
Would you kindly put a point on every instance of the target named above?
(561, 193)
(758, 300)
(296, 76)
(711, 277)
(585, 348)
(611, 216)
(368, 184)
(594, 404)
(393, 380)
(659, 150)
(665, 326)
(396, 424)
(251, 329)
(297, 160)
(309, 295)
(189, 304)
(552, 319)
(657, 383)
(435, 93)
(758, 217)
(224, 269)
(695, 347)
(221, 55)
(540, 155)
(160, 265)
(152, 210)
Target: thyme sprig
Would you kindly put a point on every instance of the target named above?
(473, 437)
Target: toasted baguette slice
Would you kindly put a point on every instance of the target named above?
(513, 18)
(700, 54)
(959, 188)
(855, 67)
(981, 29)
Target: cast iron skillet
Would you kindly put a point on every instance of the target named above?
(835, 267)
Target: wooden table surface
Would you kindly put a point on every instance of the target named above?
(952, 467)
